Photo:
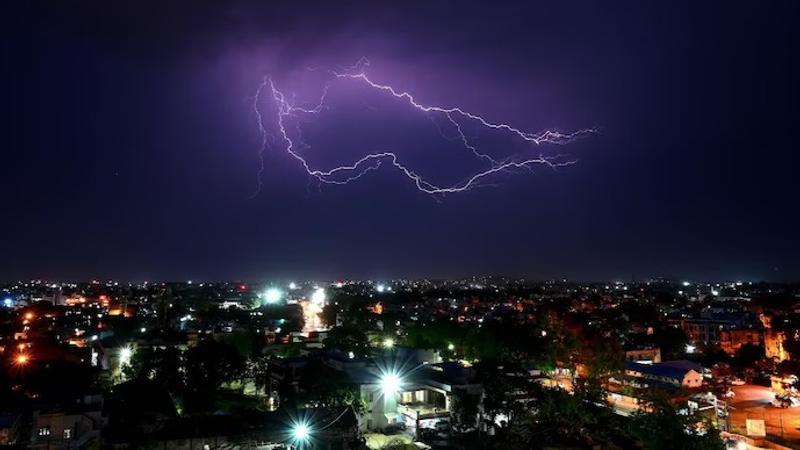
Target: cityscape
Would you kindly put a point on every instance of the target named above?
(484, 362)
(400, 225)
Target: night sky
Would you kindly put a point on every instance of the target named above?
(130, 146)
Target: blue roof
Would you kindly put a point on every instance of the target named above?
(658, 370)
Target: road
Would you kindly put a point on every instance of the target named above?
(753, 402)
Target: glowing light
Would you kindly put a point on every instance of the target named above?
(388, 342)
(301, 432)
(22, 359)
(292, 285)
(29, 316)
(318, 297)
(380, 288)
(273, 295)
(390, 384)
(451, 347)
(455, 116)
(125, 354)
(351, 355)
(8, 303)
(690, 348)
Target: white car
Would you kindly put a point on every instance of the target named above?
(729, 394)
(785, 401)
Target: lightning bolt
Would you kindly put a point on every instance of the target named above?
(286, 110)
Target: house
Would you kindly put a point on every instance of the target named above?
(671, 374)
(732, 340)
(422, 397)
(74, 425)
(644, 355)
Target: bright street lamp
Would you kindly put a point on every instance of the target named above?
(390, 384)
(125, 355)
(301, 433)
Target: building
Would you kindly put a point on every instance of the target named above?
(71, 426)
(671, 374)
(730, 341)
(773, 345)
(422, 399)
(644, 355)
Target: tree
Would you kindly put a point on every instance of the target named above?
(464, 409)
(663, 427)
(349, 339)
(672, 342)
(162, 366)
(747, 356)
(210, 365)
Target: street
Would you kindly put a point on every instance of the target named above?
(753, 402)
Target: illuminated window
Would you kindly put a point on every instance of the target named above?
(44, 431)
(68, 434)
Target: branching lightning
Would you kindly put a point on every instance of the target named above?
(292, 143)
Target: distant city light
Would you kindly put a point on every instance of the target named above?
(8, 303)
(273, 295)
(380, 288)
(714, 292)
(318, 297)
(690, 348)
(686, 284)
(142, 330)
(388, 342)
(351, 355)
(292, 285)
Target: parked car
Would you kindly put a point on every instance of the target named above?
(729, 394)
(785, 401)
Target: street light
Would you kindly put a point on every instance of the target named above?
(300, 432)
(22, 359)
(125, 355)
(388, 342)
(390, 384)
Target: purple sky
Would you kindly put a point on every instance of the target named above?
(130, 148)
